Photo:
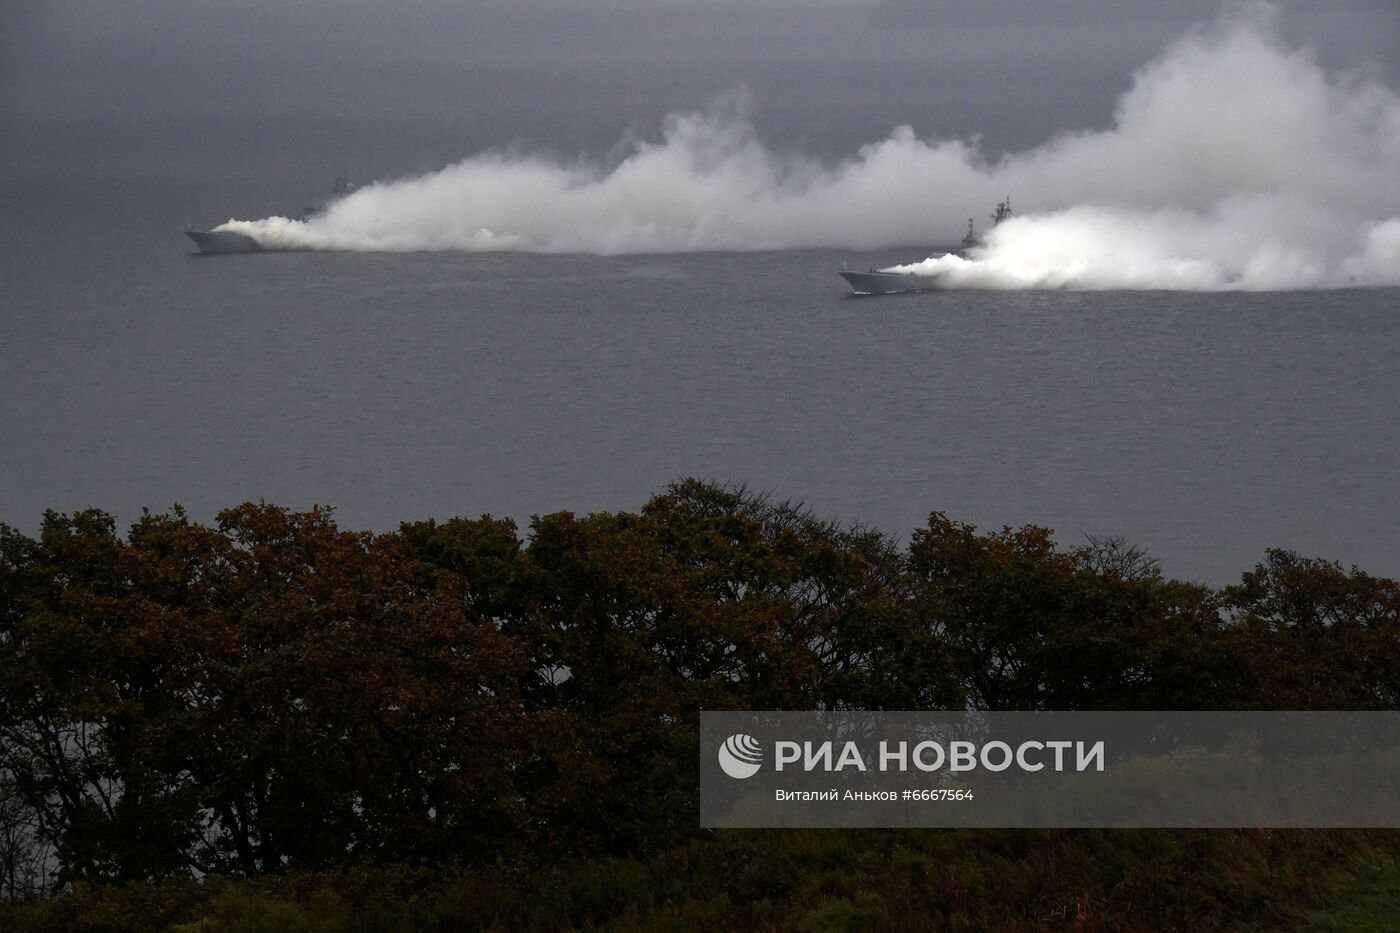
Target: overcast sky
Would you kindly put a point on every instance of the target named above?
(399, 87)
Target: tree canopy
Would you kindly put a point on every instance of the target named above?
(274, 693)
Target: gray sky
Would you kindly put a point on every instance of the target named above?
(396, 88)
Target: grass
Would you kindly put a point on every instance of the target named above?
(1091, 881)
(1372, 903)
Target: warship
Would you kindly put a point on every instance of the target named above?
(223, 241)
(876, 282)
(218, 242)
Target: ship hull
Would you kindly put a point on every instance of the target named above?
(889, 283)
(210, 241)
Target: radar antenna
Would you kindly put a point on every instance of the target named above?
(1003, 211)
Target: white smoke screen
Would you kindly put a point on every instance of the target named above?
(1234, 162)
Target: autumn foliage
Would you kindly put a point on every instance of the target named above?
(275, 694)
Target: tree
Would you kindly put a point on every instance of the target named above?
(1319, 637)
(1032, 627)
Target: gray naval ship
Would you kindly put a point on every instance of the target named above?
(218, 242)
(875, 282)
(223, 241)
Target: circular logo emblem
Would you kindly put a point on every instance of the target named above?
(740, 756)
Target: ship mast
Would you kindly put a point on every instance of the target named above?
(1003, 211)
(972, 239)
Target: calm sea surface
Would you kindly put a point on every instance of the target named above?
(1203, 427)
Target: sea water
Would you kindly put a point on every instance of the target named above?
(1204, 427)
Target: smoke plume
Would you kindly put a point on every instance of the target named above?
(1233, 161)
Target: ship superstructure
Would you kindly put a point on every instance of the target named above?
(219, 242)
(877, 282)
